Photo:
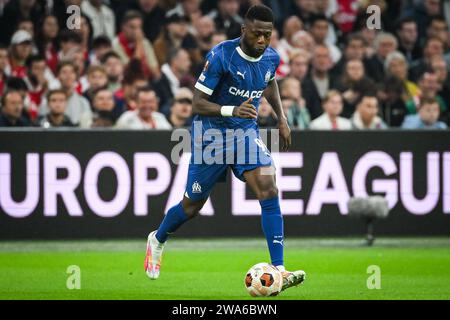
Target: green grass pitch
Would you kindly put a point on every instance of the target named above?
(411, 268)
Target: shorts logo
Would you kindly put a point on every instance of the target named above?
(196, 187)
(267, 77)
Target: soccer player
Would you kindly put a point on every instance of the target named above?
(227, 95)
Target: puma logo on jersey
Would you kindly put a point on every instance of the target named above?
(241, 74)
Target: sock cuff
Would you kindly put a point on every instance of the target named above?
(272, 203)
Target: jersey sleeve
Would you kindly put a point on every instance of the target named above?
(212, 72)
(276, 63)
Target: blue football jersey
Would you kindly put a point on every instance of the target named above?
(231, 77)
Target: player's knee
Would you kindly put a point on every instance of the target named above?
(192, 209)
(268, 193)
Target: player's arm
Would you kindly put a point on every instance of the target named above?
(202, 106)
(272, 94)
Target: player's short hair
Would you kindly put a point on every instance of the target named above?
(56, 91)
(259, 12)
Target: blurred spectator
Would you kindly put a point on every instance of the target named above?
(317, 84)
(266, 115)
(345, 15)
(305, 10)
(205, 29)
(11, 110)
(366, 114)
(429, 87)
(26, 25)
(69, 42)
(422, 11)
(16, 11)
(3, 67)
(154, 18)
(227, 19)
(440, 68)
(133, 80)
(55, 117)
(145, 116)
(102, 18)
(353, 85)
(295, 108)
(385, 43)
(390, 96)
(21, 49)
(354, 49)
(114, 70)
(427, 117)
(187, 8)
(285, 46)
(303, 40)
(330, 119)
(100, 46)
(131, 43)
(176, 35)
(433, 47)
(78, 108)
(319, 30)
(299, 64)
(37, 83)
(396, 65)
(438, 27)
(408, 36)
(97, 78)
(46, 40)
(174, 72)
(103, 100)
(181, 109)
(328, 8)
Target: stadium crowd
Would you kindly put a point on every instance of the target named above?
(133, 64)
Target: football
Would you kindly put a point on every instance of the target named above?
(263, 280)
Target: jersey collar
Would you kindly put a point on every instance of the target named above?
(247, 57)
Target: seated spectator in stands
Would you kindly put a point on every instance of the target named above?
(299, 64)
(145, 116)
(97, 78)
(295, 108)
(102, 18)
(428, 89)
(441, 69)
(21, 49)
(27, 25)
(56, 105)
(317, 84)
(181, 109)
(421, 12)
(319, 29)
(114, 70)
(175, 74)
(3, 67)
(133, 79)
(408, 36)
(390, 97)
(427, 117)
(353, 85)
(366, 114)
(384, 44)
(438, 27)
(397, 66)
(227, 19)
(78, 108)
(103, 100)
(303, 40)
(354, 49)
(11, 110)
(175, 35)
(154, 18)
(330, 119)
(100, 46)
(266, 116)
(433, 47)
(46, 40)
(37, 84)
(132, 44)
(205, 29)
(285, 46)
(69, 42)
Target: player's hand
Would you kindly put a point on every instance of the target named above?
(285, 135)
(246, 110)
